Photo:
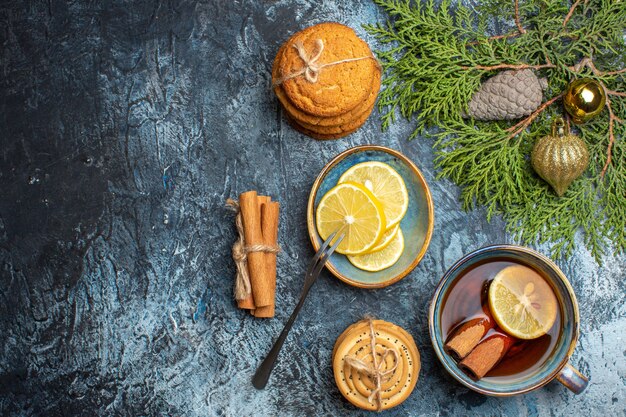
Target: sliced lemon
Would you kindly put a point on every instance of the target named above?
(522, 302)
(385, 239)
(354, 209)
(385, 183)
(377, 261)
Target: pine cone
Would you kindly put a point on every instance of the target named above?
(507, 95)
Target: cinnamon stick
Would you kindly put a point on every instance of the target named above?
(486, 355)
(468, 335)
(269, 226)
(248, 302)
(517, 348)
(260, 200)
(253, 235)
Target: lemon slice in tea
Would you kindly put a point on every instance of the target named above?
(354, 209)
(382, 259)
(522, 302)
(385, 183)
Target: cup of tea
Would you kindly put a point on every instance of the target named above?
(474, 344)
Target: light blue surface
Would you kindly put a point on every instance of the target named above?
(414, 225)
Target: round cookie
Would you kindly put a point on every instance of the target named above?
(349, 126)
(307, 119)
(339, 88)
(315, 135)
(333, 121)
(404, 369)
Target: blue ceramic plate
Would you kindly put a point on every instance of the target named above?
(417, 224)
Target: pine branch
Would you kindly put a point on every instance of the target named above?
(520, 28)
(518, 128)
(569, 14)
(437, 57)
(509, 66)
(588, 62)
(612, 120)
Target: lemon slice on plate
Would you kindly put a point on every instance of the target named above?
(354, 209)
(386, 185)
(382, 259)
(522, 302)
(385, 239)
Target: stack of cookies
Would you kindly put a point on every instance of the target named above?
(376, 364)
(327, 80)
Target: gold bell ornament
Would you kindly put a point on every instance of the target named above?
(584, 99)
(560, 157)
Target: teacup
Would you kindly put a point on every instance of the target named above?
(556, 365)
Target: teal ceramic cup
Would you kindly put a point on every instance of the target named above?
(556, 365)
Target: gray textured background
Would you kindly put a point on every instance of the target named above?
(124, 127)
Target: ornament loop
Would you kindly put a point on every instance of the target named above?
(559, 128)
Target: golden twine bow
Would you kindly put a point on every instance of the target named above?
(373, 370)
(243, 289)
(311, 69)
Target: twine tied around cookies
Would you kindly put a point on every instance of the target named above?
(374, 369)
(312, 68)
(240, 252)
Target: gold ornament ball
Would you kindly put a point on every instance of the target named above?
(584, 99)
(560, 158)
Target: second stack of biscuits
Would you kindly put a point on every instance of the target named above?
(401, 368)
(333, 94)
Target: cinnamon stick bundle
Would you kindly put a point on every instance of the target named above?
(259, 217)
(486, 355)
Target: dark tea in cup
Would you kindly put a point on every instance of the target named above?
(477, 341)
(503, 321)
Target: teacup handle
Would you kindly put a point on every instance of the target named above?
(572, 379)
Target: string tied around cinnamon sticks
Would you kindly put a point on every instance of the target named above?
(240, 252)
(374, 369)
(312, 68)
